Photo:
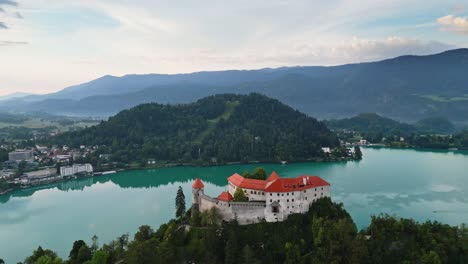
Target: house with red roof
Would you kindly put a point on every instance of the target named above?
(271, 200)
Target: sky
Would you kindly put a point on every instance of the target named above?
(47, 45)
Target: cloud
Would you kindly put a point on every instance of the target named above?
(2, 10)
(12, 43)
(350, 51)
(3, 25)
(8, 2)
(454, 24)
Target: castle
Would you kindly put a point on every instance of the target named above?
(272, 200)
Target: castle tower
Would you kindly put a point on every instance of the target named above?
(197, 190)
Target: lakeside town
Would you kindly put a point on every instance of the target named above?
(40, 165)
(30, 167)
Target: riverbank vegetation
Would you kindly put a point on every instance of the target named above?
(437, 132)
(326, 234)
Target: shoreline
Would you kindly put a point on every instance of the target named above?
(415, 148)
(173, 165)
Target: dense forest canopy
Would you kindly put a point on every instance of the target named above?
(221, 128)
(326, 234)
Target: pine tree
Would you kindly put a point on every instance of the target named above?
(180, 203)
(357, 153)
(239, 196)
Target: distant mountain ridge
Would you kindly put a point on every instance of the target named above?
(15, 96)
(406, 88)
(374, 126)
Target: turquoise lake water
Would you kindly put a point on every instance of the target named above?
(424, 185)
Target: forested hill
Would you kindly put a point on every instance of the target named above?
(221, 128)
(374, 127)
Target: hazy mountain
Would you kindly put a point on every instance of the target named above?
(375, 124)
(407, 88)
(14, 96)
(438, 125)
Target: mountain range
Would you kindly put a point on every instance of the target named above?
(406, 88)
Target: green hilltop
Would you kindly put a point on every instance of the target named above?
(215, 129)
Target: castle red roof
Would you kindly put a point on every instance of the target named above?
(225, 196)
(295, 184)
(198, 184)
(273, 176)
(244, 183)
(275, 183)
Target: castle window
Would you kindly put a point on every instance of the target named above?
(293, 200)
(293, 206)
(278, 194)
(271, 200)
(271, 194)
(275, 209)
(282, 194)
(322, 188)
(304, 191)
(306, 198)
(288, 207)
(321, 194)
(287, 194)
(315, 195)
(315, 189)
(287, 200)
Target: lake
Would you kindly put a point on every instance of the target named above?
(424, 185)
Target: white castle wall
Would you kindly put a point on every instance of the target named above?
(248, 212)
(253, 195)
(254, 212)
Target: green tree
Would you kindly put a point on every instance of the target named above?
(292, 253)
(211, 217)
(2, 261)
(259, 174)
(431, 258)
(38, 253)
(80, 252)
(248, 256)
(144, 233)
(239, 196)
(22, 167)
(49, 260)
(84, 254)
(99, 257)
(231, 249)
(357, 153)
(95, 244)
(180, 202)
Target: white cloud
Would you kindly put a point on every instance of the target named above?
(71, 42)
(454, 23)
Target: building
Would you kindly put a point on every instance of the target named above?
(20, 155)
(40, 174)
(270, 200)
(326, 150)
(66, 171)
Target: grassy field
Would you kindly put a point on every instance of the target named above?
(35, 123)
(230, 107)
